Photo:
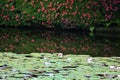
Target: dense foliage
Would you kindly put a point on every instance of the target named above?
(66, 13)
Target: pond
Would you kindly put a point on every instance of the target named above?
(57, 66)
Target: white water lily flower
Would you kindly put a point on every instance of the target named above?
(60, 55)
(47, 63)
(51, 74)
(45, 58)
(118, 75)
(89, 60)
(112, 67)
(26, 76)
(118, 68)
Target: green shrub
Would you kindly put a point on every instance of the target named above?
(66, 13)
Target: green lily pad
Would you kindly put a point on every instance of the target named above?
(32, 67)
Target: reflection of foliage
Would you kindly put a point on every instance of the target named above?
(55, 41)
(22, 12)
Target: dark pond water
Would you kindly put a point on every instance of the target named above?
(70, 41)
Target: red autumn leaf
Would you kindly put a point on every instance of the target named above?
(64, 12)
(41, 3)
(6, 49)
(72, 1)
(7, 5)
(6, 17)
(73, 13)
(37, 49)
(32, 40)
(33, 17)
(38, 10)
(95, 14)
(16, 17)
(53, 9)
(12, 8)
(50, 5)
(10, 0)
(67, 2)
(43, 8)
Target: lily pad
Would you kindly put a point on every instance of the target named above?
(47, 66)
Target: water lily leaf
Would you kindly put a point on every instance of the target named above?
(35, 54)
(20, 65)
